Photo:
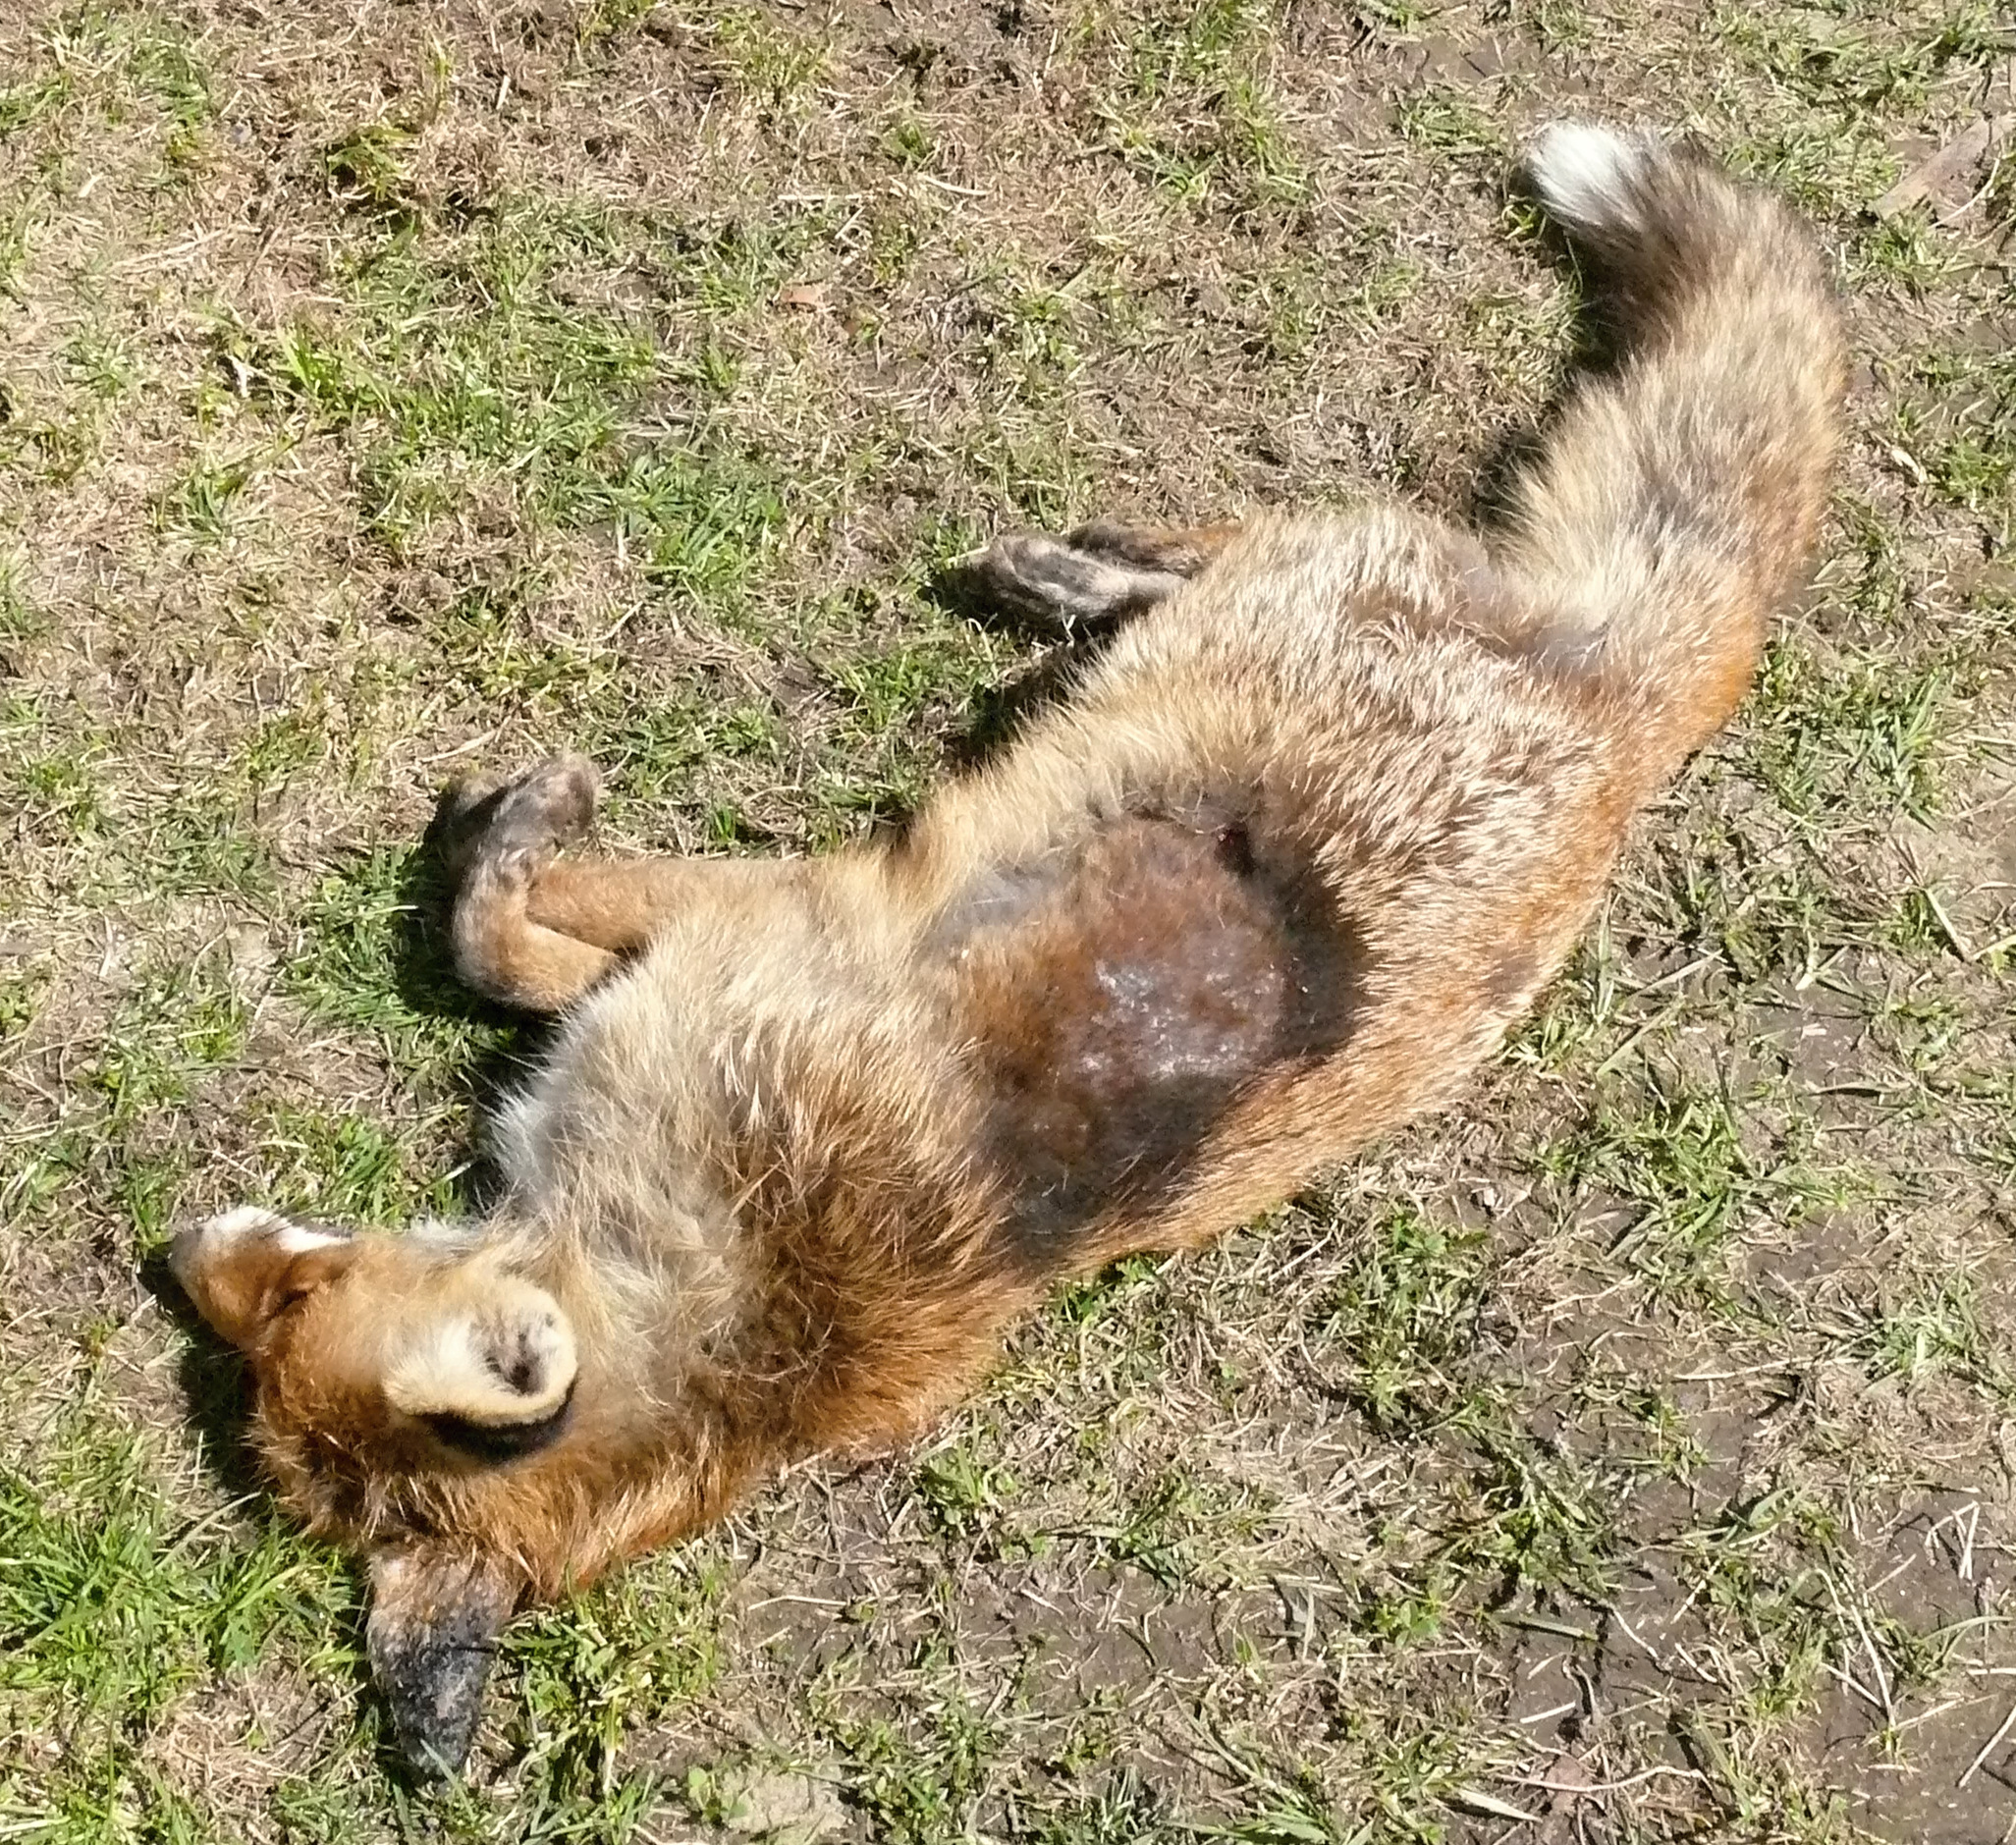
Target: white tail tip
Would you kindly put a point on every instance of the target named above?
(1587, 176)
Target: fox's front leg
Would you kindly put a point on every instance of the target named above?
(498, 839)
(537, 930)
(1098, 573)
(532, 928)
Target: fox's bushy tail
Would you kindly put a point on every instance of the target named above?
(1678, 498)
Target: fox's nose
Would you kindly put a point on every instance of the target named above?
(231, 1265)
(198, 1244)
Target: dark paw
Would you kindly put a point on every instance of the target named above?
(525, 817)
(1053, 584)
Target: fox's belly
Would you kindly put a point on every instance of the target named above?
(1127, 998)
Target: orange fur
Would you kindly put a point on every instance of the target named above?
(1319, 824)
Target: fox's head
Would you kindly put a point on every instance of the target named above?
(402, 1385)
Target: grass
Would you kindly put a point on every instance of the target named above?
(116, 1605)
(381, 398)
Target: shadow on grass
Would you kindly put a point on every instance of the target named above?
(215, 1384)
(1599, 344)
(998, 715)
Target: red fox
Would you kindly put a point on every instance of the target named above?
(1328, 811)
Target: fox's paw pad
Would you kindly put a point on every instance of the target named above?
(522, 821)
(1052, 582)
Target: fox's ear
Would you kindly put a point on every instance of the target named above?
(242, 1268)
(432, 1635)
(489, 1352)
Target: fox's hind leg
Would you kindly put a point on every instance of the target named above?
(1179, 551)
(1100, 573)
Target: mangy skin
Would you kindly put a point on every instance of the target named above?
(1330, 807)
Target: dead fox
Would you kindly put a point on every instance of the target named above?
(1324, 815)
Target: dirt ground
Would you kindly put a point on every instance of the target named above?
(393, 386)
